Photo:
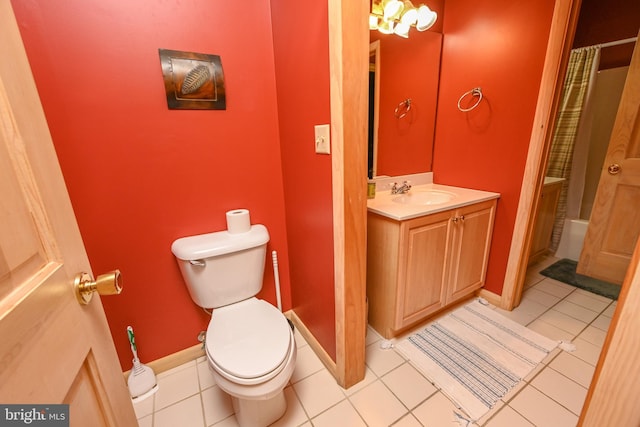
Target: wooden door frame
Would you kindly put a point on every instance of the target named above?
(348, 63)
(563, 26)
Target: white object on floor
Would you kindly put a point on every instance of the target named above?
(142, 380)
(386, 344)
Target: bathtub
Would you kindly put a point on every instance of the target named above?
(572, 238)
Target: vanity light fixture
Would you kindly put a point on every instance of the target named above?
(397, 17)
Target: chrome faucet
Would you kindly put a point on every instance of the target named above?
(404, 188)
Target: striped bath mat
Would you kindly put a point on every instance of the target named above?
(475, 355)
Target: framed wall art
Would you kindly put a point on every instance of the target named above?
(193, 81)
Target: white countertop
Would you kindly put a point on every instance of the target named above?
(384, 205)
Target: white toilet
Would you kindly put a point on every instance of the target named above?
(249, 343)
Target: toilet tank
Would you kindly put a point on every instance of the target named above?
(222, 268)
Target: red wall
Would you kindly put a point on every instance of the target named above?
(302, 77)
(140, 175)
(500, 46)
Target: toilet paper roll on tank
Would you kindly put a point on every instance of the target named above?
(238, 221)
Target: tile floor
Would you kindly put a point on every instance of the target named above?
(394, 393)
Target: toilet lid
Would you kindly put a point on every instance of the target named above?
(248, 339)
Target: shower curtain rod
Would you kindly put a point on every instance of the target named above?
(613, 43)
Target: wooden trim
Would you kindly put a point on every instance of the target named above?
(493, 298)
(565, 18)
(348, 59)
(324, 357)
(612, 397)
(173, 360)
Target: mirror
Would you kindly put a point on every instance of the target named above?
(403, 93)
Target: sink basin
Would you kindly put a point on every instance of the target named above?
(426, 197)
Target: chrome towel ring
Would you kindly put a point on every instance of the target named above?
(403, 108)
(476, 91)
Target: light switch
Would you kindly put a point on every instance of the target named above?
(323, 139)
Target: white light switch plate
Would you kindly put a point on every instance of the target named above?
(323, 139)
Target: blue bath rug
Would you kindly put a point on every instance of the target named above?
(565, 271)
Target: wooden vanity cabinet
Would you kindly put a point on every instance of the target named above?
(419, 266)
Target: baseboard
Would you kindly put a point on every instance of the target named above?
(173, 360)
(493, 298)
(324, 357)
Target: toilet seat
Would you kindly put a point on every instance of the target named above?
(248, 342)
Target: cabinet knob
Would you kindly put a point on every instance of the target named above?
(455, 219)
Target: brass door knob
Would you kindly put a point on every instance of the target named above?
(106, 284)
(614, 169)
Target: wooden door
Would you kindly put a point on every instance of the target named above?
(614, 225)
(424, 249)
(472, 230)
(53, 350)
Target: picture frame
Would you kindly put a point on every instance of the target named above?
(193, 81)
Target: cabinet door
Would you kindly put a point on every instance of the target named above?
(472, 227)
(544, 221)
(422, 273)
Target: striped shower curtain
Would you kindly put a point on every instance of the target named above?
(583, 64)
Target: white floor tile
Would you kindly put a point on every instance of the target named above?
(307, 363)
(563, 321)
(541, 297)
(566, 392)
(342, 414)
(610, 310)
(381, 361)
(372, 336)
(408, 385)
(507, 417)
(369, 377)
(602, 322)
(589, 300)
(217, 405)
(586, 351)
(295, 415)
(576, 311)
(554, 287)
(576, 369)
(187, 412)
(593, 335)
(377, 405)
(408, 421)
(300, 341)
(318, 392)
(550, 331)
(436, 411)
(518, 315)
(146, 421)
(541, 410)
(205, 377)
(228, 422)
(176, 385)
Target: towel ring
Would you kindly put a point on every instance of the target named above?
(403, 108)
(476, 91)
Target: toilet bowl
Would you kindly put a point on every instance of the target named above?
(249, 344)
(254, 370)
